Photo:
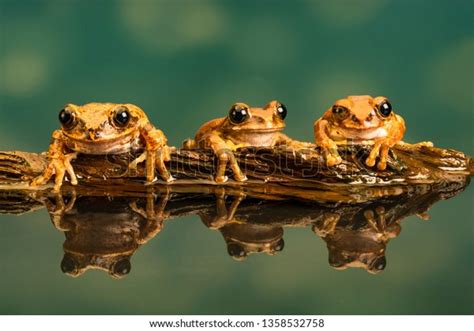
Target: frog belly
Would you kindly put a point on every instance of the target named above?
(261, 139)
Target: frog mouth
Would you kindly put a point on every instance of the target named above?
(120, 144)
(96, 139)
(264, 130)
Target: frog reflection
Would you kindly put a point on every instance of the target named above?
(242, 236)
(103, 233)
(357, 238)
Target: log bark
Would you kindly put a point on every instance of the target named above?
(272, 173)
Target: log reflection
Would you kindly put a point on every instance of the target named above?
(103, 229)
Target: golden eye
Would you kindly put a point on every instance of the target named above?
(340, 112)
(121, 116)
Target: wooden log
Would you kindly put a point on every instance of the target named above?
(275, 173)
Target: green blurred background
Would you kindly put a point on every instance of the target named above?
(186, 62)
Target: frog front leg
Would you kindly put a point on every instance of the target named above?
(156, 154)
(225, 216)
(328, 146)
(328, 224)
(381, 148)
(224, 155)
(396, 130)
(59, 164)
(155, 215)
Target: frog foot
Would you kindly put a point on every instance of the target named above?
(58, 166)
(380, 150)
(333, 159)
(376, 220)
(240, 177)
(154, 160)
(331, 155)
(381, 165)
(226, 156)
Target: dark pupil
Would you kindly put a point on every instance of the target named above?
(385, 109)
(67, 264)
(338, 110)
(282, 111)
(66, 118)
(122, 117)
(380, 263)
(238, 115)
(235, 250)
(122, 267)
(280, 245)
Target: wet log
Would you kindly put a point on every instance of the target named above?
(278, 173)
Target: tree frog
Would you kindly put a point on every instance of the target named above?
(244, 126)
(359, 119)
(104, 128)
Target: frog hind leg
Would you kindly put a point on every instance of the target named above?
(224, 155)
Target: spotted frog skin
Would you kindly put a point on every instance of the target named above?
(362, 120)
(104, 128)
(244, 126)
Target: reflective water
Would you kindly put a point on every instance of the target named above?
(227, 252)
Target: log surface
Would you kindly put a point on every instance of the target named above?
(277, 173)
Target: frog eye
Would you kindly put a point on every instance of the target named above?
(281, 111)
(384, 108)
(121, 116)
(67, 118)
(238, 114)
(121, 268)
(340, 111)
(280, 245)
(68, 265)
(236, 251)
(379, 264)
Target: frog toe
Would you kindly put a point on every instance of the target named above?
(241, 178)
(170, 179)
(370, 162)
(382, 165)
(332, 160)
(221, 179)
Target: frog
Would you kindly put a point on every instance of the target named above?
(358, 238)
(359, 119)
(244, 126)
(100, 129)
(104, 231)
(243, 234)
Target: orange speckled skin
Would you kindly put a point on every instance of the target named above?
(94, 132)
(262, 128)
(359, 120)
